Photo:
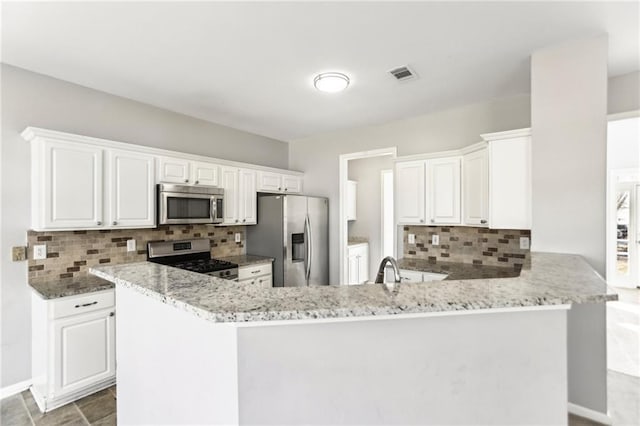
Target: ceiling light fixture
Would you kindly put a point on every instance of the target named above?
(331, 82)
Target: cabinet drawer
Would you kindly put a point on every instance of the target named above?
(66, 306)
(247, 272)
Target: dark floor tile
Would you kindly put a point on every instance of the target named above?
(67, 415)
(581, 421)
(98, 405)
(32, 407)
(13, 412)
(110, 420)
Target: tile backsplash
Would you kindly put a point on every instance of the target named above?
(70, 254)
(482, 246)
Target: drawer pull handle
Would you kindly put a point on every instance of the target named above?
(111, 314)
(87, 304)
(255, 272)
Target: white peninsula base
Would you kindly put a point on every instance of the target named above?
(505, 366)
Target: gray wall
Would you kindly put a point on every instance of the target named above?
(624, 93)
(30, 99)
(366, 172)
(569, 128)
(451, 129)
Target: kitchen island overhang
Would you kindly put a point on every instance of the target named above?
(355, 356)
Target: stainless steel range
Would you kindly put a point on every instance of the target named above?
(192, 255)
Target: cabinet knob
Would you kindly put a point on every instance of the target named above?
(98, 223)
(115, 223)
(286, 189)
(197, 182)
(186, 181)
(433, 220)
(112, 314)
(236, 220)
(244, 220)
(421, 220)
(279, 188)
(483, 221)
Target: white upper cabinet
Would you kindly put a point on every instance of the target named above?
(444, 190)
(132, 189)
(205, 173)
(352, 197)
(278, 182)
(509, 179)
(248, 212)
(174, 170)
(410, 192)
(476, 188)
(240, 196)
(67, 185)
(179, 170)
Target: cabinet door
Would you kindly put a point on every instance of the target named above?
(73, 183)
(363, 264)
(510, 183)
(410, 192)
(352, 197)
(84, 350)
(352, 262)
(132, 189)
(269, 182)
(265, 281)
(475, 188)
(444, 188)
(205, 173)
(173, 170)
(247, 194)
(292, 184)
(229, 178)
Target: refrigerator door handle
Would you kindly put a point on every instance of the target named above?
(309, 242)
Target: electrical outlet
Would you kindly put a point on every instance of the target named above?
(40, 252)
(131, 245)
(412, 238)
(524, 243)
(238, 237)
(435, 240)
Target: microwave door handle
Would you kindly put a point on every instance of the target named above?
(213, 210)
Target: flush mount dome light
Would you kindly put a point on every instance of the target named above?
(331, 82)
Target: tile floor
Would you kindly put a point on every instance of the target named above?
(97, 409)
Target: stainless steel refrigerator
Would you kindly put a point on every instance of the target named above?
(293, 229)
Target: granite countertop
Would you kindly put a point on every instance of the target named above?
(459, 271)
(63, 287)
(553, 279)
(247, 259)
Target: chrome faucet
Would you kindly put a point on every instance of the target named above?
(383, 264)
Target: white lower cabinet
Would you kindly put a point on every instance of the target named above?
(73, 347)
(358, 263)
(260, 275)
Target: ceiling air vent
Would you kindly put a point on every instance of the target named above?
(403, 73)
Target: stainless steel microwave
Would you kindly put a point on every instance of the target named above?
(180, 204)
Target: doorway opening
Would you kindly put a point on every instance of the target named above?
(366, 213)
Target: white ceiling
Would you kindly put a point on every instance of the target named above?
(250, 65)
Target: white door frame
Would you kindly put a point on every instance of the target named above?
(344, 176)
(382, 215)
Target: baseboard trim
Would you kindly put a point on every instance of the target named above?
(590, 414)
(14, 389)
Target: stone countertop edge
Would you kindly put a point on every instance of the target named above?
(65, 287)
(247, 259)
(554, 279)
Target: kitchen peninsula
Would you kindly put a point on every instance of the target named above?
(196, 349)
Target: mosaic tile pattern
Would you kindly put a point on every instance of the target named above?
(463, 244)
(70, 254)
